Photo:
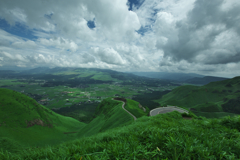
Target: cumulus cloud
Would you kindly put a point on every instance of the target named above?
(198, 36)
(202, 34)
(108, 55)
(59, 42)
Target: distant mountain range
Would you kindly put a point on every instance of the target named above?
(73, 76)
(168, 76)
(191, 78)
(106, 74)
(204, 80)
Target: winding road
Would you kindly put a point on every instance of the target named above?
(126, 110)
(160, 110)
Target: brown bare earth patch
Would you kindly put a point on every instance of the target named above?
(37, 122)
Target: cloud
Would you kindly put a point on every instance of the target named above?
(170, 35)
(24, 44)
(108, 55)
(60, 43)
(202, 35)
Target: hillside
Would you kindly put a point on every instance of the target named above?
(220, 97)
(164, 136)
(204, 80)
(23, 120)
(109, 114)
(76, 76)
(168, 76)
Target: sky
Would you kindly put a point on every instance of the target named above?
(186, 36)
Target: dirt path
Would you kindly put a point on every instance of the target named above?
(126, 110)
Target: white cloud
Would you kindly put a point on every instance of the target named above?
(108, 55)
(60, 43)
(177, 35)
(24, 44)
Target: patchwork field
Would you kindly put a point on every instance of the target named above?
(62, 96)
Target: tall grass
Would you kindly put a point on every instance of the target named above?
(161, 137)
(132, 107)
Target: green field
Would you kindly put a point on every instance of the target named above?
(109, 115)
(25, 121)
(215, 114)
(214, 97)
(132, 107)
(22, 119)
(10, 82)
(164, 136)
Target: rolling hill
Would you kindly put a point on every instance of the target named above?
(23, 120)
(164, 136)
(109, 114)
(113, 134)
(168, 76)
(220, 98)
(73, 76)
(204, 80)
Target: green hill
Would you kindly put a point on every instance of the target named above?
(133, 107)
(109, 114)
(161, 137)
(25, 121)
(215, 97)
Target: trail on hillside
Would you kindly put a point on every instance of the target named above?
(125, 109)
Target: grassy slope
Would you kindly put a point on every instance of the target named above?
(132, 107)
(208, 98)
(17, 108)
(97, 75)
(109, 114)
(164, 136)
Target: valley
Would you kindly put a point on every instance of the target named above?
(77, 92)
(62, 112)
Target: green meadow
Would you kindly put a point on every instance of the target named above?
(24, 120)
(132, 107)
(213, 100)
(161, 137)
(4, 82)
(100, 131)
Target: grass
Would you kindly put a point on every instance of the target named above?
(17, 112)
(10, 82)
(161, 137)
(212, 97)
(132, 107)
(104, 77)
(109, 114)
(214, 114)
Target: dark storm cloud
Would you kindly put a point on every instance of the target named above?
(199, 33)
(223, 59)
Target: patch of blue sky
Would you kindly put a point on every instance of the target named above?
(143, 30)
(48, 16)
(135, 3)
(18, 29)
(91, 24)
